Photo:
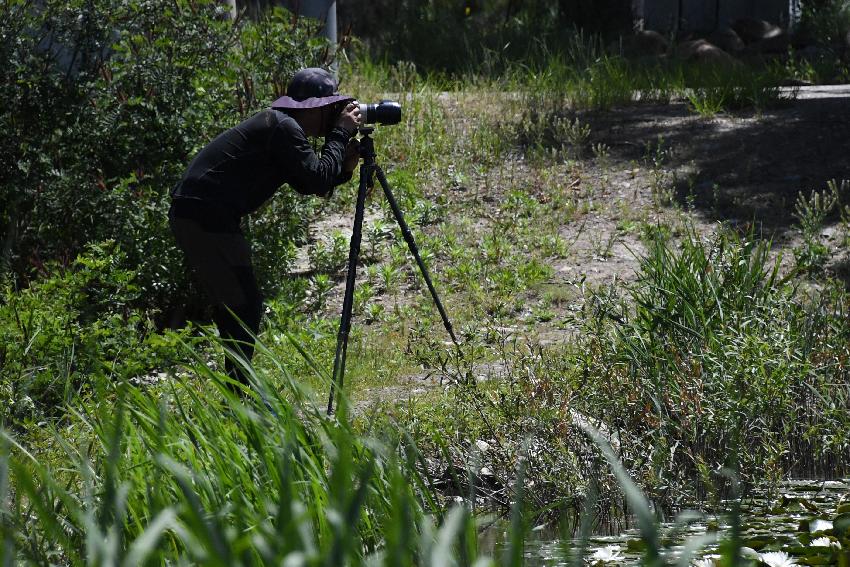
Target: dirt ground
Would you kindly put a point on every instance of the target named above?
(663, 165)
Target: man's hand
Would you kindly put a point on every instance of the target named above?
(350, 117)
(352, 156)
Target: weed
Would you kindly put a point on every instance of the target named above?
(374, 312)
(573, 132)
(389, 276)
(362, 295)
(322, 286)
(811, 212)
(707, 101)
(662, 180)
(330, 257)
(376, 234)
(601, 152)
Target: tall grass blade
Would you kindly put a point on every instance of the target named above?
(213, 541)
(519, 525)
(146, 544)
(442, 554)
(7, 529)
(646, 520)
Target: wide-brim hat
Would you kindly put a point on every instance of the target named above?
(311, 88)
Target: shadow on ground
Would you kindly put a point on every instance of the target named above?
(738, 167)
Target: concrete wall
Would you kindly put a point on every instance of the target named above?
(709, 15)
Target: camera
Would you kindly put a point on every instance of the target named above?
(385, 112)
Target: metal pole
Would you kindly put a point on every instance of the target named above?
(348, 301)
(331, 35)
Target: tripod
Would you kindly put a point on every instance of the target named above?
(368, 171)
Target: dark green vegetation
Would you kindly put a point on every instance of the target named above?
(717, 353)
(104, 104)
(491, 35)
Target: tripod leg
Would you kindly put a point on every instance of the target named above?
(411, 244)
(348, 301)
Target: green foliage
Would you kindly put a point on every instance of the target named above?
(717, 350)
(330, 257)
(560, 92)
(107, 101)
(72, 331)
(811, 213)
(715, 88)
(826, 20)
(709, 349)
(489, 34)
(192, 472)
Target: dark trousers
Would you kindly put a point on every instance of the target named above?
(220, 257)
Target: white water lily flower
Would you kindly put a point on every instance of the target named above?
(825, 542)
(820, 525)
(607, 554)
(777, 559)
(707, 561)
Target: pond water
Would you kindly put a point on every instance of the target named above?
(795, 522)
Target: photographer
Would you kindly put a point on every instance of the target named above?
(240, 170)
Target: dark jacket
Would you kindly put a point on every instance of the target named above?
(242, 168)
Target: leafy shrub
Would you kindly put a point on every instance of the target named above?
(106, 102)
(826, 20)
(73, 330)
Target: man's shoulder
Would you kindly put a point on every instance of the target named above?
(279, 119)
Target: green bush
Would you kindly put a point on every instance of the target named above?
(71, 331)
(106, 101)
(827, 21)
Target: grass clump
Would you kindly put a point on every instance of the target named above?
(192, 472)
(710, 349)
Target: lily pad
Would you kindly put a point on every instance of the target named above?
(841, 525)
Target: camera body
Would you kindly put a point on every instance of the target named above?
(385, 112)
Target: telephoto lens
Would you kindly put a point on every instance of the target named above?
(385, 112)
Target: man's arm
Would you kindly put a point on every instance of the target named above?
(349, 163)
(306, 172)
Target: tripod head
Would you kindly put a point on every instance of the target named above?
(367, 145)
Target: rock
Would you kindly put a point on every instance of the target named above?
(646, 43)
(486, 482)
(702, 51)
(775, 45)
(751, 30)
(727, 40)
(453, 480)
